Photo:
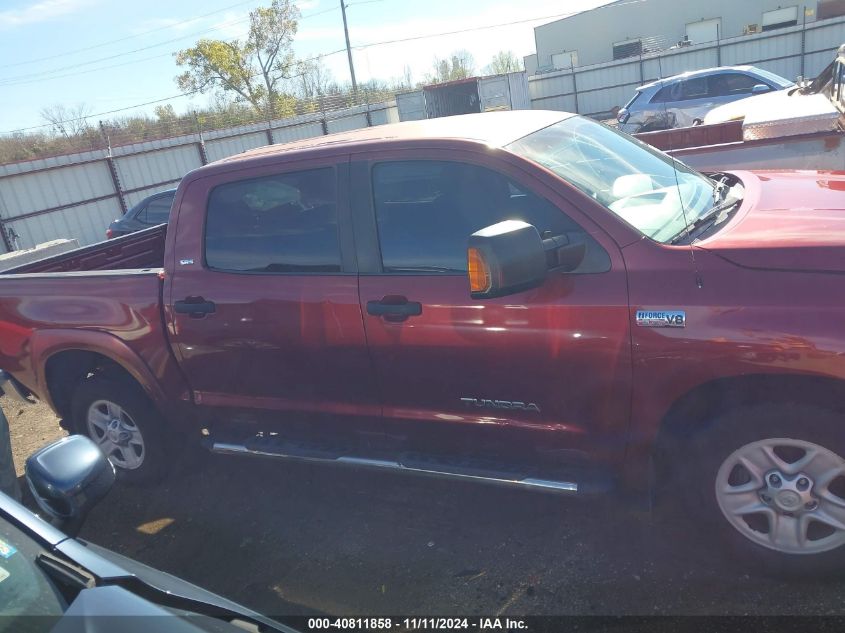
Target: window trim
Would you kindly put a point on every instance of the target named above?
(340, 166)
(367, 239)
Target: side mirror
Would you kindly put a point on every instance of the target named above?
(623, 115)
(511, 256)
(759, 89)
(67, 479)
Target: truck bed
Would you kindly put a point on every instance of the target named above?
(141, 250)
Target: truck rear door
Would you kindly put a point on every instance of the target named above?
(263, 307)
(556, 358)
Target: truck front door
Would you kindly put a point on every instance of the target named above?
(554, 359)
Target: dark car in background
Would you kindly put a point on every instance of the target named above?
(151, 211)
(685, 99)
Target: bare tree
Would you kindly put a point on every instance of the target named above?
(313, 78)
(459, 65)
(67, 121)
(407, 77)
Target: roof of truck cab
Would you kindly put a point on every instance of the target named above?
(490, 128)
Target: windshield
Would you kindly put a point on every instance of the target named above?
(646, 188)
(25, 590)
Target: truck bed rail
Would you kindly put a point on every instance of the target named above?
(144, 249)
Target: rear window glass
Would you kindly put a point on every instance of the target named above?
(277, 224)
(158, 210)
(664, 94)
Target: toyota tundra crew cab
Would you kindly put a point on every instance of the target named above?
(527, 298)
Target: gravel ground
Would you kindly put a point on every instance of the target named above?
(294, 539)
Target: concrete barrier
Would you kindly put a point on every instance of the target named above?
(40, 251)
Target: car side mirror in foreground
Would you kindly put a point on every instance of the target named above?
(67, 479)
(759, 89)
(510, 256)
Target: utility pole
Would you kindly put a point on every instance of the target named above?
(348, 47)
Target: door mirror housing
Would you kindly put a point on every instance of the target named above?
(511, 256)
(759, 89)
(505, 258)
(67, 479)
(623, 115)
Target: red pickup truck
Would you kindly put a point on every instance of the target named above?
(526, 298)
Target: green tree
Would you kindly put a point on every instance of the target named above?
(165, 112)
(254, 69)
(504, 62)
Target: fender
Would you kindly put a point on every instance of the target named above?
(47, 343)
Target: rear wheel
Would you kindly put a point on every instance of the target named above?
(771, 480)
(122, 421)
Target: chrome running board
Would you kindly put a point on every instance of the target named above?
(434, 467)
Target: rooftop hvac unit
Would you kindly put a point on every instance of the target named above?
(750, 28)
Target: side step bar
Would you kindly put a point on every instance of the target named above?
(433, 468)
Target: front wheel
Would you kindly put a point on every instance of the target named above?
(120, 419)
(771, 480)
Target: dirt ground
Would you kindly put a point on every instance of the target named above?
(291, 539)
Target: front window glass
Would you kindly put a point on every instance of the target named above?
(426, 210)
(639, 184)
(731, 84)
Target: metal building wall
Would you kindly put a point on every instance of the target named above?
(592, 33)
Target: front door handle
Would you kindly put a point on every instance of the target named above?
(195, 307)
(394, 308)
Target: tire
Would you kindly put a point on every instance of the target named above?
(792, 525)
(123, 422)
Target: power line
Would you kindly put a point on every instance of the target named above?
(154, 101)
(477, 28)
(29, 78)
(128, 37)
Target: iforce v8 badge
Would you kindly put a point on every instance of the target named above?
(661, 318)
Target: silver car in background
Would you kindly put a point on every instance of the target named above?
(685, 99)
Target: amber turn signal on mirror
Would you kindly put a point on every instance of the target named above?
(479, 272)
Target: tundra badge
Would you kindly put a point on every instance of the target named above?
(500, 404)
(661, 318)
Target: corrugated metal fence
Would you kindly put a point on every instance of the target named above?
(78, 195)
(597, 89)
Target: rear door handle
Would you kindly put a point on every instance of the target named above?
(195, 307)
(394, 308)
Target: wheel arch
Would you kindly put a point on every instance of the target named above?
(70, 357)
(694, 411)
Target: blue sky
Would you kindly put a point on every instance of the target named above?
(113, 54)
